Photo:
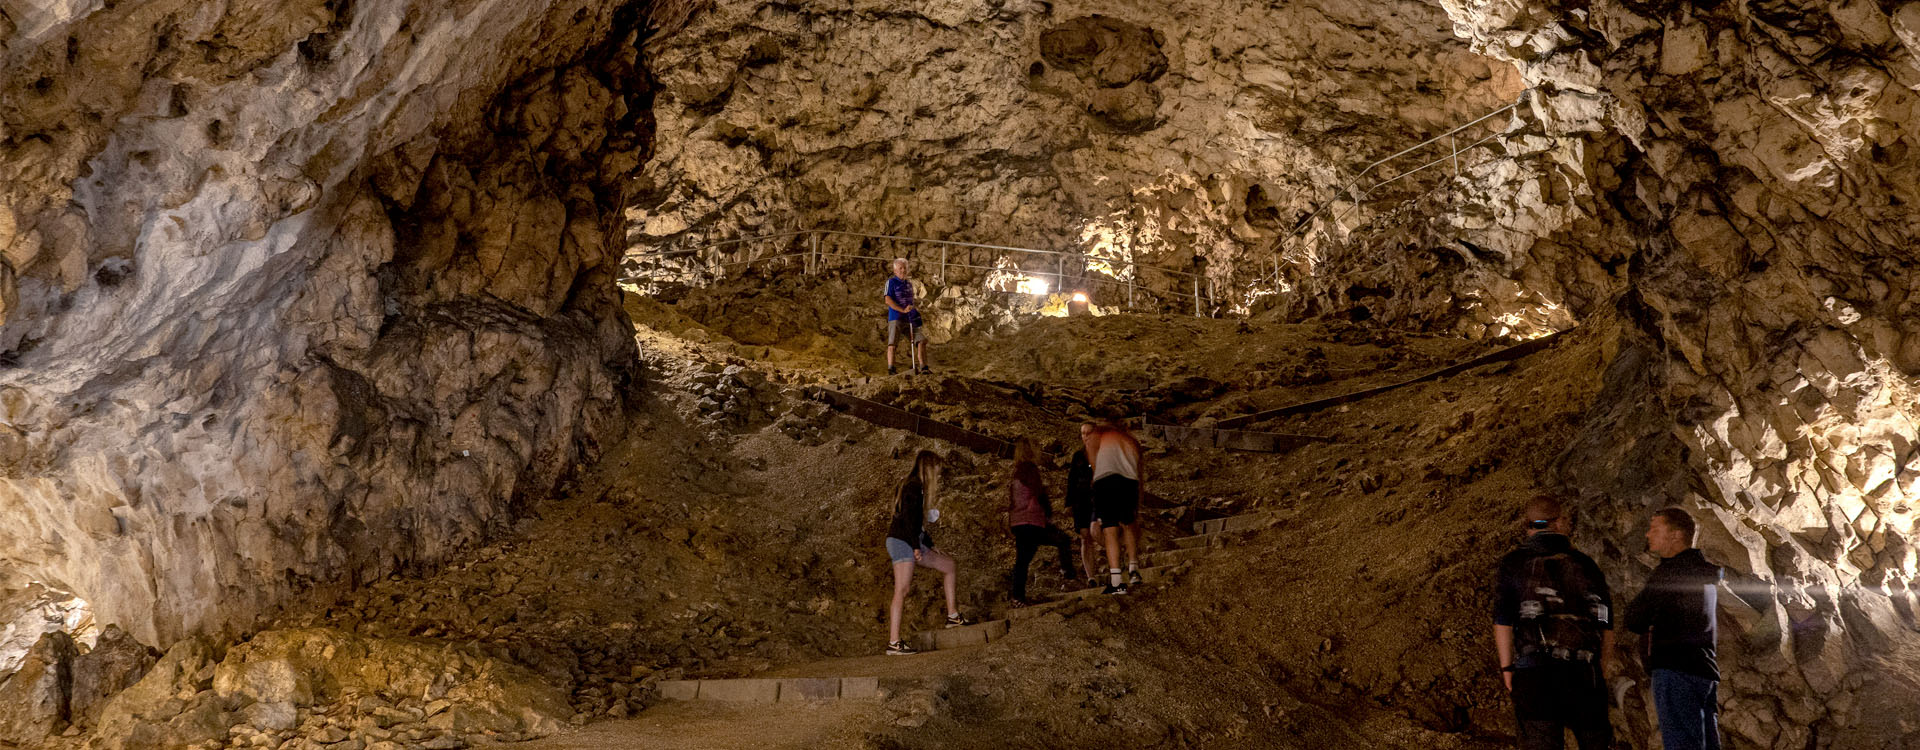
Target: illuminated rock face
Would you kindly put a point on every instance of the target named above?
(1772, 173)
(299, 292)
(1191, 135)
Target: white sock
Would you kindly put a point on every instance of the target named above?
(1113, 577)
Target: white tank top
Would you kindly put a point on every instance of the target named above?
(1113, 458)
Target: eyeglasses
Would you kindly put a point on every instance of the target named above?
(1541, 523)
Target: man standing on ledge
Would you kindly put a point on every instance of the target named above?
(1553, 629)
(1676, 613)
(902, 313)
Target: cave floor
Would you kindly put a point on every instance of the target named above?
(734, 534)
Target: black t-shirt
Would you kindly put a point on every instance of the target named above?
(1079, 481)
(909, 515)
(1677, 607)
(1513, 575)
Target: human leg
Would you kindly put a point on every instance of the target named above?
(1089, 545)
(941, 561)
(1064, 544)
(1535, 711)
(902, 582)
(1685, 704)
(1026, 540)
(893, 332)
(1584, 702)
(1133, 544)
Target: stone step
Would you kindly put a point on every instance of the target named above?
(1232, 524)
(772, 689)
(951, 638)
(1174, 556)
(1200, 541)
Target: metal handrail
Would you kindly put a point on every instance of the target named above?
(1352, 190)
(1357, 193)
(1522, 99)
(903, 238)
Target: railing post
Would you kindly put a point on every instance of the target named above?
(1196, 297)
(818, 259)
(1454, 143)
(1059, 273)
(943, 265)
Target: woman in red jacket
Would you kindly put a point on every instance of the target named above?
(1030, 518)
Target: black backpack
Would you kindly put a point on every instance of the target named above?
(1561, 611)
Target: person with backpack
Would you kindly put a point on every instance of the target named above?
(915, 503)
(1675, 615)
(1553, 631)
(1080, 502)
(1030, 519)
(903, 313)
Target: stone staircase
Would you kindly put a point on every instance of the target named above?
(1162, 567)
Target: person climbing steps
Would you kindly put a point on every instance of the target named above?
(915, 504)
(1030, 519)
(1116, 500)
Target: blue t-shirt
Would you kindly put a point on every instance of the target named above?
(901, 292)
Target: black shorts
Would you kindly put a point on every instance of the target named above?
(1116, 500)
(1082, 515)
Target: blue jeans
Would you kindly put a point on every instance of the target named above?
(1689, 709)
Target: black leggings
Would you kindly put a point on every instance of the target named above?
(1026, 540)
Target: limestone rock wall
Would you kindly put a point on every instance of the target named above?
(299, 292)
(1190, 135)
(1771, 174)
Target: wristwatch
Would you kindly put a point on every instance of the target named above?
(1507, 668)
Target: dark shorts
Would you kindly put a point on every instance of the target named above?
(1116, 500)
(895, 326)
(1082, 516)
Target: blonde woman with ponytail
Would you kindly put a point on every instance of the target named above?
(916, 503)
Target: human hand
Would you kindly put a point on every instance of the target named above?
(1505, 677)
(917, 554)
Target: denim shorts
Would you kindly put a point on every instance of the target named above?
(899, 551)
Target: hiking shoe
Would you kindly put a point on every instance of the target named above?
(1120, 590)
(889, 369)
(958, 621)
(1093, 583)
(900, 648)
(925, 370)
(1133, 577)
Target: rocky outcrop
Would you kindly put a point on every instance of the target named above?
(35, 701)
(1188, 135)
(1770, 176)
(300, 292)
(329, 687)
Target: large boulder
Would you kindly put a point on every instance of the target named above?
(34, 701)
(115, 663)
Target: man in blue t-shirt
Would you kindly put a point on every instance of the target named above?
(901, 313)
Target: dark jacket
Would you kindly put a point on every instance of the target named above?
(1677, 607)
(1079, 481)
(1512, 577)
(910, 515)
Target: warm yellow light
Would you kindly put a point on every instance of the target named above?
(1080, 297)
(1037, 286)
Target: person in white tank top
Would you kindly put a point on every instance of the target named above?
(1117, 491)
(1117, 457)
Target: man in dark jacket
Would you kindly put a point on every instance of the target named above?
(1676, 613)
(1553, 629)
